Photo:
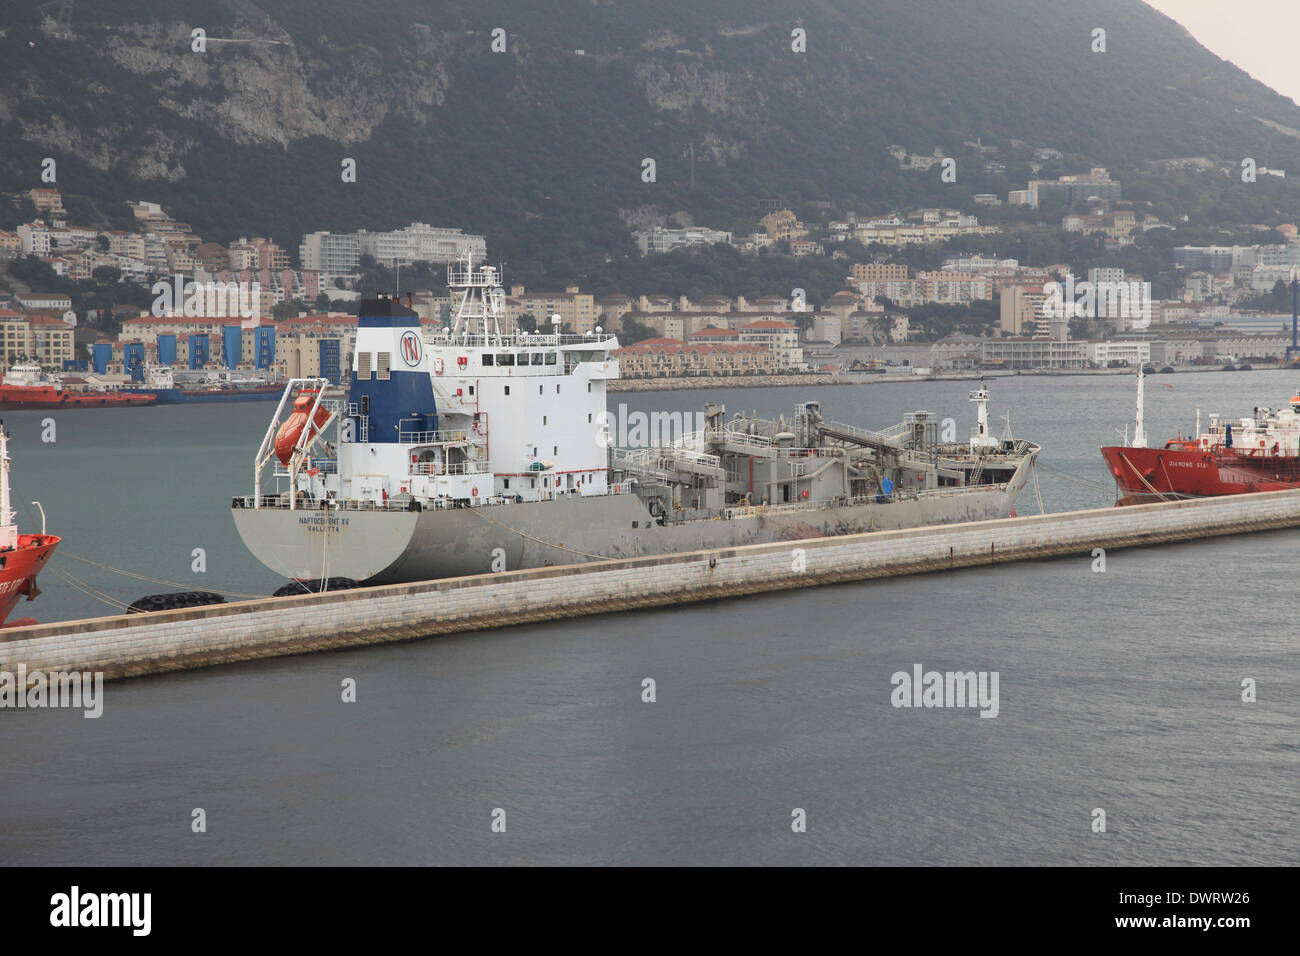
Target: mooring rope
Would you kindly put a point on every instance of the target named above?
(1094, 485)
(1142, 477)
(145, 577)
(89, 591)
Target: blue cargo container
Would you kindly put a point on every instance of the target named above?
(101, 354)
(166, 348)
(232, 345)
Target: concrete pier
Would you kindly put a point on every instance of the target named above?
(137, 644)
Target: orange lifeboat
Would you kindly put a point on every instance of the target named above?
(286, 439)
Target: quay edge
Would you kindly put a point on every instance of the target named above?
(134, 645)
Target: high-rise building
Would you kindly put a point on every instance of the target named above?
(421, 242)
(331, 253)
(338, 254)
(1021, 307)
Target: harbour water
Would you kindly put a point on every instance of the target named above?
(763, 705)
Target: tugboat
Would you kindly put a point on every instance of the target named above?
(1258, 453)
(22, 556)
(26, 386)
(479, 450)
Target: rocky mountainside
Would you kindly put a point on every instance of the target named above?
(542, 145)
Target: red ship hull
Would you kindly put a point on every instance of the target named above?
(47, 397)
(1145, 475)
(18, 570)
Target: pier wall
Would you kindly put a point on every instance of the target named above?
(133, 645)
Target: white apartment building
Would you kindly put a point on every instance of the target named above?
(331, 253)
(1107, 274)
(339, 254)
(657, 240)
(35, 237)
(1131, 351)
(779, 338)
(420, 242)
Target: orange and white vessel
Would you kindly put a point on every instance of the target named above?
(22, 556)
(27, 386)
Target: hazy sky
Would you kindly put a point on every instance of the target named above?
(1260, 36)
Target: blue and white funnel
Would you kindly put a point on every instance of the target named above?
(390, 390)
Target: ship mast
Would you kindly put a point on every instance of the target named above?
(1139, 430)
(481, 299)
(8, 531)
(979, 438)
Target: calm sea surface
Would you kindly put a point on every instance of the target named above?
(1118, 690)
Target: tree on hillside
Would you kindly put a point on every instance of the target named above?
(375, 278)
(288, 309)
(632, 331)
(39, 276)
(1277, 299)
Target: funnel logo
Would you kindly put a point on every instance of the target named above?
(412, 348)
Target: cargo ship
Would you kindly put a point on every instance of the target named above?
(22, 556)
(28, 387)
(478, 451)
(1256, 453)
(161, 382)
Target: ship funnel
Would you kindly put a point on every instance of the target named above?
(391, 391)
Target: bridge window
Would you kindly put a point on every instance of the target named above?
(537, 358)
(550, 358)
(487, 359)
(505, 358)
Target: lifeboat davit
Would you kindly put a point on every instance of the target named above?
(286, 439)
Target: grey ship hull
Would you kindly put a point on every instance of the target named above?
(387, 547)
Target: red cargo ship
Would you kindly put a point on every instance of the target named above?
(26, 387)
(22, 556)
(1260, 453)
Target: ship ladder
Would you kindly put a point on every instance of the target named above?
(974, 478)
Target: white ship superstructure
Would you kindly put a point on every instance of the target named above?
(462, 414)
